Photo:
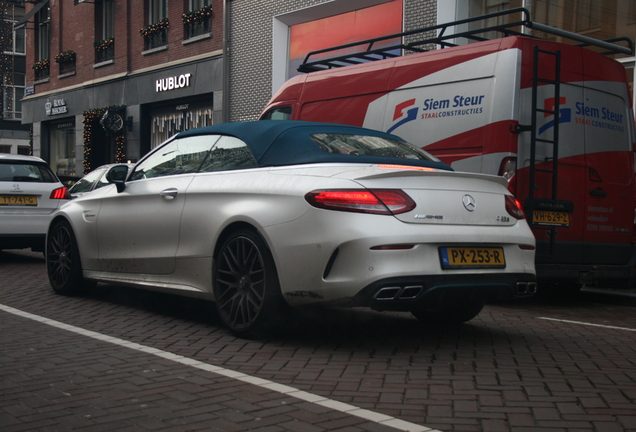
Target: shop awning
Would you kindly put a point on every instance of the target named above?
(32, 12)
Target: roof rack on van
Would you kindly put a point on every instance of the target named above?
(365, 51)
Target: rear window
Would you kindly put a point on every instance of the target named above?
(26, 172)
(364, 145)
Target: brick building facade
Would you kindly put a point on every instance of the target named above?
(119, 76)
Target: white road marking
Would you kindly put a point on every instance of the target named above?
(588, 324)
(280, 388)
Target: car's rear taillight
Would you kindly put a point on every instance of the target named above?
(374, 201)
(513, 207)
(60, 193)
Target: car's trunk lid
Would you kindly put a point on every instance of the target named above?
(443, 197)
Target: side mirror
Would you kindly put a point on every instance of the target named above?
(117, 175)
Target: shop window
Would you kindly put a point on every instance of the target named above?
(5, 149)
(166, 125)
(62, 150)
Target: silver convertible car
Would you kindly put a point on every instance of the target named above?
(260, 216)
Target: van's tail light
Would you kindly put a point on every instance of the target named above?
(374, 201)
(594, 175)
(508, 168)
(60, 193)
(513, 207)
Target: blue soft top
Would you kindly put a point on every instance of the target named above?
(288, 142)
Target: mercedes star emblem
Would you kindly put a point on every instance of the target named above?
(469, 202)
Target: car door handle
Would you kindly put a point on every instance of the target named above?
(169, 193)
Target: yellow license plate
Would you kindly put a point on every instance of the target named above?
(18, 200)
(472, 257)
(543, 217)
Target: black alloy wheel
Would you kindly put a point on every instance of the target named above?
(62, 260)
(246, 287)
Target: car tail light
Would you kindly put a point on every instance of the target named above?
(513, 207)
(374, 201)
(60, 193)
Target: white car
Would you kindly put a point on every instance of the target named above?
(29, 193)
(258, 216)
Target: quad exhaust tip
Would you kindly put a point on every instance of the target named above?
(526, 287)
(398, 293)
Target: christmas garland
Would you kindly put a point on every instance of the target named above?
(197, 15)
(150, 29)
(65, 56)
(91, 119)
(41, 65)
(101, 45)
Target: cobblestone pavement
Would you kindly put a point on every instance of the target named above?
(128, 360)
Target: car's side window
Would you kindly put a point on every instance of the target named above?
(181, 156)
(85, 183)
(229, 153)
(103, 181)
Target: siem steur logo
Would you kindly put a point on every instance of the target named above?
(399, 113)
(565, 114)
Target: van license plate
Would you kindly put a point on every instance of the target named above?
(472, 257)
(22, 200)
(551, 218)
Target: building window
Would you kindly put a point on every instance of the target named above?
(158, 10)
(108, 19)
(42, 28)
(12, 96)
(587, 15)
(12, 15)
(105, 31)
(197, 20)
(156, 32)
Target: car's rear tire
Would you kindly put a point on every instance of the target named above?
(245, 285)
(63, 263)
(448, 314)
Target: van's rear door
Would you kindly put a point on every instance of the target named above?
(609, 183)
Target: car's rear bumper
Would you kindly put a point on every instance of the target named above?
(406, 293)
